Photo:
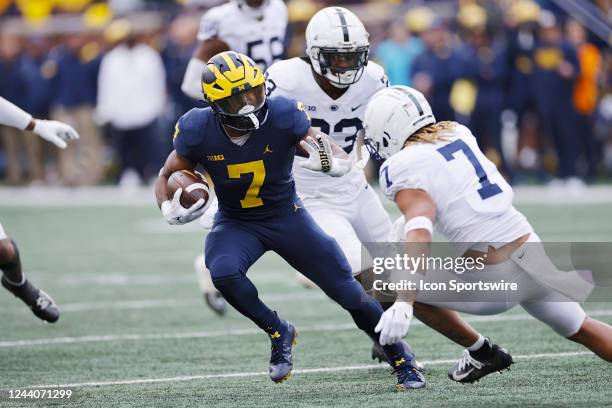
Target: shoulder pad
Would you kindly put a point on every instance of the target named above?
(191, 125)
(375, 72)
(281, 111)
(283, 74)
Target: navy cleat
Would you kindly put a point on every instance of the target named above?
(470, 368)
(41, 304)
(216, 302)
(379, 354)
(281, 359)
(408, 376)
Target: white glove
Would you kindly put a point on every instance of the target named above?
(208, 218)
(320, 158)
(176, 214)
(55, 132)
(394, 323)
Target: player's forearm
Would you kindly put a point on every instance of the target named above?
(13, 116)
(161, 189)
(191, 82)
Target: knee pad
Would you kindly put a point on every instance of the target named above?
(565, 318)
(223, 268)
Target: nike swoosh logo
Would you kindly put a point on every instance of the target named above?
(462, 376)
(356, 107)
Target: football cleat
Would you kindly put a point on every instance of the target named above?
(41, 304)
(379, 354)
(216, 302)
(281, 359)
(469, 369)
(408, 376)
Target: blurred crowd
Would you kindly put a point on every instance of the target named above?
(531, 82)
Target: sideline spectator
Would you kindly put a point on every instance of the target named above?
(586, 94)
(74, 90)
(556, 70)
(131, 98)
(397, 53)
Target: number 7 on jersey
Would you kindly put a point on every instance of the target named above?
(251, 199)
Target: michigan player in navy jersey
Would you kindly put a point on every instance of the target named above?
(247, 143)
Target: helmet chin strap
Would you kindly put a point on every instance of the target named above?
(254, 119)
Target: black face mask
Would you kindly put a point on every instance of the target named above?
(338, 63)
(245, 123)
(373, 150)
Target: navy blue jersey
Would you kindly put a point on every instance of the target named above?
(252, 181)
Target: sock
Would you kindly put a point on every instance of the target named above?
(366, 318)
(10, 282)
(242, 295)
(484, 352)
(478, 344)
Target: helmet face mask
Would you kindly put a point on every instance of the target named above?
(235, 88)
(393, 115)
(243, 111)
(343, 67)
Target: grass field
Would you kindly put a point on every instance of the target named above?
(134, 331)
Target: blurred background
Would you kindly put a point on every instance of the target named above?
(531, 78)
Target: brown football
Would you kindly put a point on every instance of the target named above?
(194, 187)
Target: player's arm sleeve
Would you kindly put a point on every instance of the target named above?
(209, 26)
(397, 176)
(13, 116)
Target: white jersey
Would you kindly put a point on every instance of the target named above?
(340, 118)
(262, 40)
(473, 201)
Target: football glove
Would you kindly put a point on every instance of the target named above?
(208, 218)
(176, 214)
(55, 132)
(394, 323)
(321, 158)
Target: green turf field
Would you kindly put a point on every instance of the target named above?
(134, 331)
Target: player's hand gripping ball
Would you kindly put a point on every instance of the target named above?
(190, 197)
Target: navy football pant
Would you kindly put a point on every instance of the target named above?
(233, 246)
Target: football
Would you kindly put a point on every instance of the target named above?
(194, 187)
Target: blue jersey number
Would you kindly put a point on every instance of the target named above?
(385, 171)
(487, 189)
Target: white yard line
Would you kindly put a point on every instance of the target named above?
(240, 332)
(297, 371)
(109, 196)
(172, 303)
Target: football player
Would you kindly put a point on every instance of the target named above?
(246, 143)
(436, 174)
(13, 278)
(334, 82)
(256, 28)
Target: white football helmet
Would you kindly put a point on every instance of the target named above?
(254, 12)
(393, 115)
(337, 44)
